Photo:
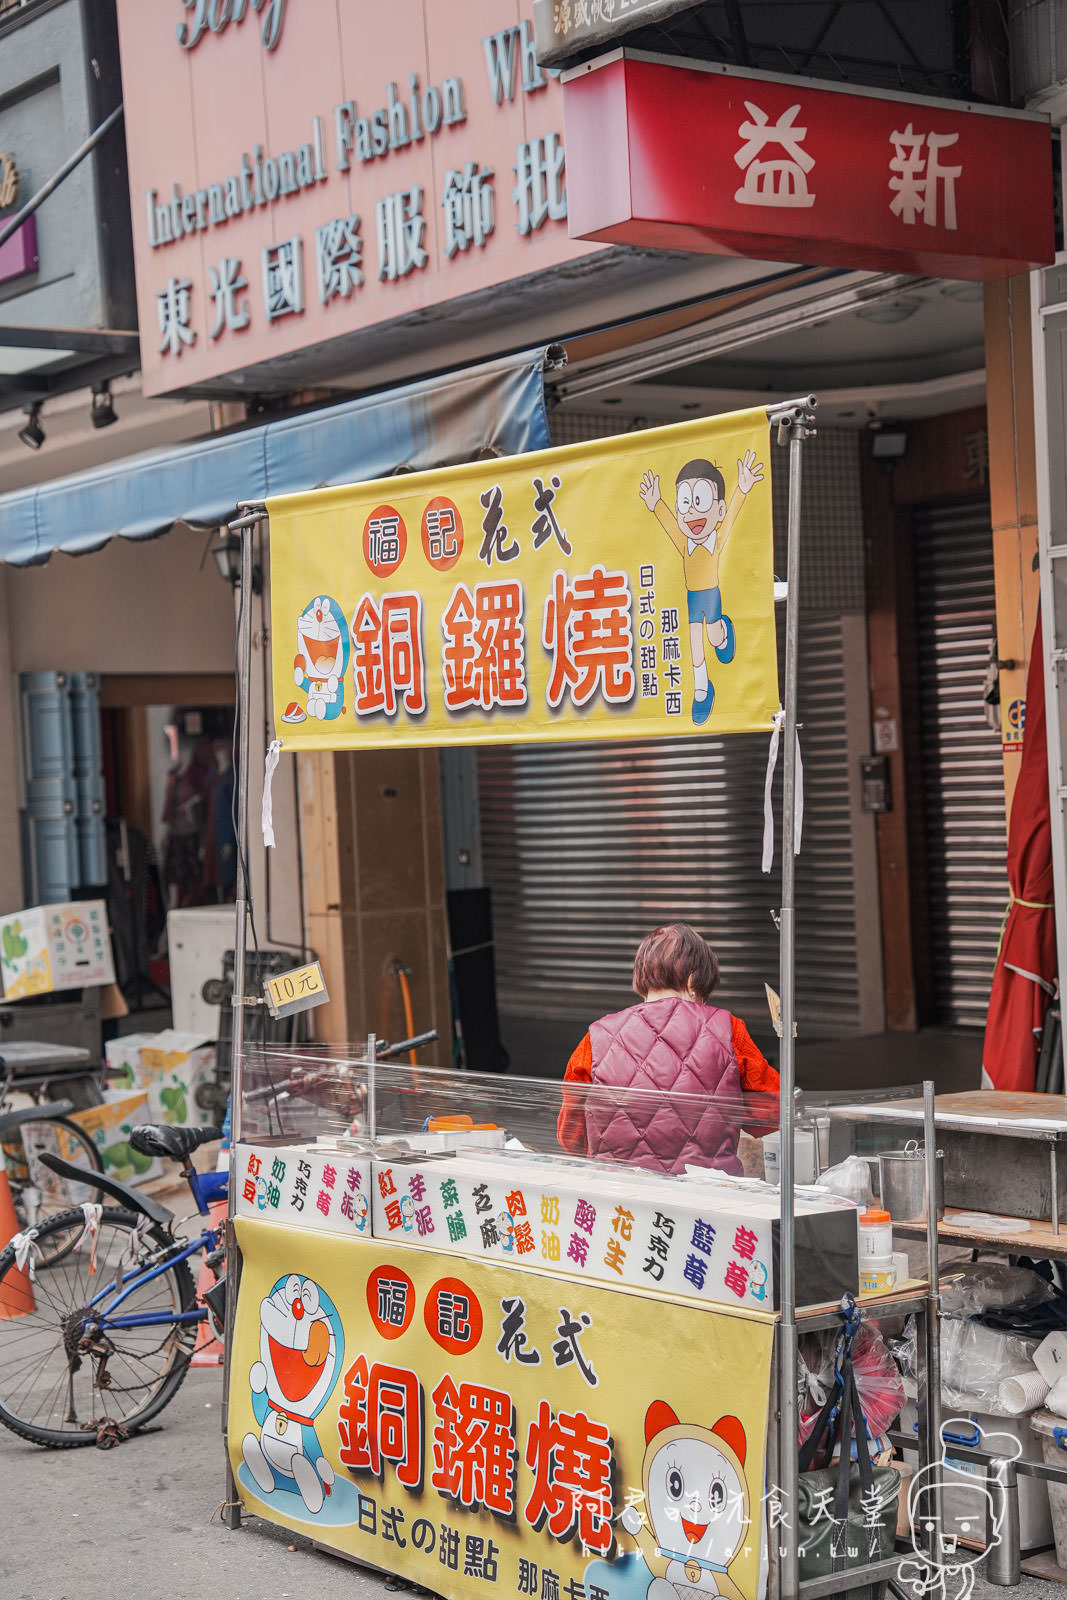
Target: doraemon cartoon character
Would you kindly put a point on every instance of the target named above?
(407, 1213)
(301, 1347)
(360, 1207)
(506, 1227)
(321, 662)
(696, 1505)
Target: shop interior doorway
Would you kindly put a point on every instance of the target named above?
(168, 767)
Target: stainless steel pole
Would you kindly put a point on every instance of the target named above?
(933, 1303)
(1054, 1176)
(788, 1579)
(1002, 1524)
(372, 1087)
(246, 526)
(774, 1448)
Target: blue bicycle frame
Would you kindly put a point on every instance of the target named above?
(206, 1187)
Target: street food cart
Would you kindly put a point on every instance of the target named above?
(500, 1385)
(479, 1364)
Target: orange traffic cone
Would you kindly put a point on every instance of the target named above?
(208, 1351)
(16, 1290)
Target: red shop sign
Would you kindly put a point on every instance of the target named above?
(700, 158)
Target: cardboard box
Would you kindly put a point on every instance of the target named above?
(47, 948)
(1050, 1357)
(173, 1066)
(109, 1128)
(123, 1057)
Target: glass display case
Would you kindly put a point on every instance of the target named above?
(486, 1306)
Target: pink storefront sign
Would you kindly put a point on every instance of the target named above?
(300, 175)
(19, 254)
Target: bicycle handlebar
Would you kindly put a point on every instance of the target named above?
(384, 1051)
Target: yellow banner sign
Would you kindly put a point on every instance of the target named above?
(621, 588)
(488, 1431)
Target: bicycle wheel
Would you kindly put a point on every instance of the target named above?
(64, 1368)
(37, 1192)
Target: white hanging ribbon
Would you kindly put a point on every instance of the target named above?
(274, 751)
(798, 796)
(25, 1254)
(92, 1214)
(134, 1245)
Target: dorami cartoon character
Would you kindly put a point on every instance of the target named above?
(321, 662)
(301, 1347)
(696, 1505)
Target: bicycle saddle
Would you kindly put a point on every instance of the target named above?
(160, 1139)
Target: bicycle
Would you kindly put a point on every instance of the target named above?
(28, 1134)
(101, 1307)
(125, 1340)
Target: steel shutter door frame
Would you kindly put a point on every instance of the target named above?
(587, 847)
(963, 774)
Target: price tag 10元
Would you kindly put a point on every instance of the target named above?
(297, 990)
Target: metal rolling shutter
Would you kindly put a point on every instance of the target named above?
(588, 846)
(963, 776)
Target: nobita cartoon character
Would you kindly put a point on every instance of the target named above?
(970, 1513)
(696, 1505)
(301, 1347)
(321, 662)
(699, 527)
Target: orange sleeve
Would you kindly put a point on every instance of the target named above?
(570, 1127)
(757, 1074)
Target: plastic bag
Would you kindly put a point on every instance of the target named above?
(976, 1360)
(974, 1363)
(903, 1349)
(881, 1389)
(970, 1288)
(851, 1179)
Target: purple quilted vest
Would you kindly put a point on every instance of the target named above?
(660, 1046)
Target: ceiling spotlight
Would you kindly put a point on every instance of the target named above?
(102, 412)
(887, 312)
(31, 433)
(889, 440)
(963, 290)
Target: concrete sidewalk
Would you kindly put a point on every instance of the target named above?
(141, 1520)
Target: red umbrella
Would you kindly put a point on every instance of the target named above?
(1025, 975)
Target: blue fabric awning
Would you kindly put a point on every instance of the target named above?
(499, 407)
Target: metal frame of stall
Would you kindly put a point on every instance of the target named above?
(794, 422)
